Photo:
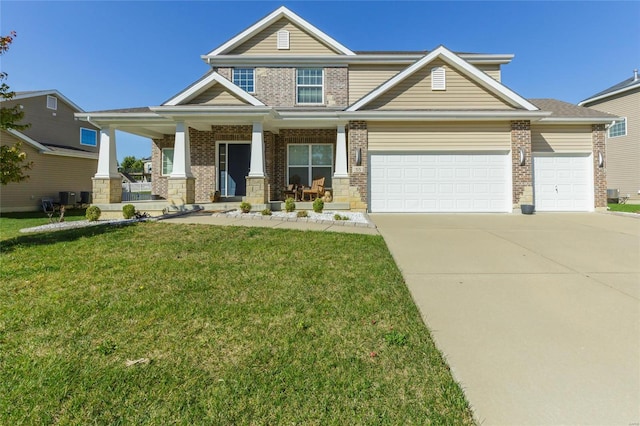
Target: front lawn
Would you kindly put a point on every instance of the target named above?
(183, 324)
(629, 208)
(11, 223)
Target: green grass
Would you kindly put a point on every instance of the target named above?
(239, 326)
(11, 223)
(629, 208)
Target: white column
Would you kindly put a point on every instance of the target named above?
(341, 154)
(257, 151)
(107, 159)
(181, 152)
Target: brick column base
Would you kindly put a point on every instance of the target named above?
(107, 190)
(340, 188)
(182, 188)
(257, 190)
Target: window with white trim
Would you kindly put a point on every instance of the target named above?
(52, 102)
(309, 86)
(167, 161)
(619, 128)
(438, 79)
(283, 40)
(244, 78)
(306, 162)
(88, 137)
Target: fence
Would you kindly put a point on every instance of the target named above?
(138, 191)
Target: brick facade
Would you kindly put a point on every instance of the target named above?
(358, 139)
(599, 173)
(522, 175)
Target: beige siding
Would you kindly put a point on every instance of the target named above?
(492, 70)
(216, 95)
(415, 93)
(364, 78)
(561, 138)
(623, 152)
(300, 42)
(461, 136)
(50, 174)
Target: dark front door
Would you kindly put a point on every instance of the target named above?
(234, 160)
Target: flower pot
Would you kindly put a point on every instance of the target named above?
(527, 208)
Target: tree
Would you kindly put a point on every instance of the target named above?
(13, 161)
(131, 164)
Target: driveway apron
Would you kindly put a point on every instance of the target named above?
(538, 316)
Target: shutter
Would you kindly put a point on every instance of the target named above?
(438, 80)
(283, 40)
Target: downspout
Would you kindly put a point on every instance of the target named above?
(92, 123)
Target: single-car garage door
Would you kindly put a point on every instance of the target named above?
(563, 182)
(441, 182)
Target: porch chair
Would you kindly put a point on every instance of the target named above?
(316, 190)
(50, 209)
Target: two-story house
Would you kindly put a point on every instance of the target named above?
(427, 131)
(623, 136)
(63, 150)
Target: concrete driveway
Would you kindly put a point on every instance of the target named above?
(538, 316)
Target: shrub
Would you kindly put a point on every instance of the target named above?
(245, 207)
(338, 216)
(128, 211)
(289, 205)
(93, 213)
(318, 205)
(302, 213)
(266, 212)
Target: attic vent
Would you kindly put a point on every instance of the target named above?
(438, 80)
(283, 40)
(52, 102)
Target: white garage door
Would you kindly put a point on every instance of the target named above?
(563, 182)
(444, 182)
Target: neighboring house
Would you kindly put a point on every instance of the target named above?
(427, 131)
(64, 150)
(623, 137)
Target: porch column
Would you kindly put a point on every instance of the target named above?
(107, 184)
(181, 183)
(256, 169)
(257, 187)
(341, 154)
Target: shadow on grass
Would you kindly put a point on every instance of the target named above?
(41, 215)
(53, 237)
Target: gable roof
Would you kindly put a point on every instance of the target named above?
(35, 93)
(562, 111)
(207, 81)
(451, 58)
(270, 19)
(53, 149)
(622, 87)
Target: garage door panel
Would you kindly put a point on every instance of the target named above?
(563, 182)
(431, 182)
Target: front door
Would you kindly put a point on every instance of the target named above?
(233, 164)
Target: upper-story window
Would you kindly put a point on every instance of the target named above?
(619, 128)
(309, 86)
(244, 78)
(88, 137)
(52, 102)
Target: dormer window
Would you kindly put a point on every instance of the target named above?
(244, 78)
(283, 40)
(52, 102)
(438, 79)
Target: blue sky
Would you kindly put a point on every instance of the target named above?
(118, 54)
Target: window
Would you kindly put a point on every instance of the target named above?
(619, 128)
(244, 78)
(283, 40)
(307, 162)
(167, 161)
(309, 86)
(88, 137)
(52, 102)
(438, 79)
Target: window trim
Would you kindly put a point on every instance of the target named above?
(253, 78)
(52, 102)
(624, 120)
(310, 166)
(309, 85)
(162, 173)
(95, 137)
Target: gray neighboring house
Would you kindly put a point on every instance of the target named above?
(623, 136)
(64, 150)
